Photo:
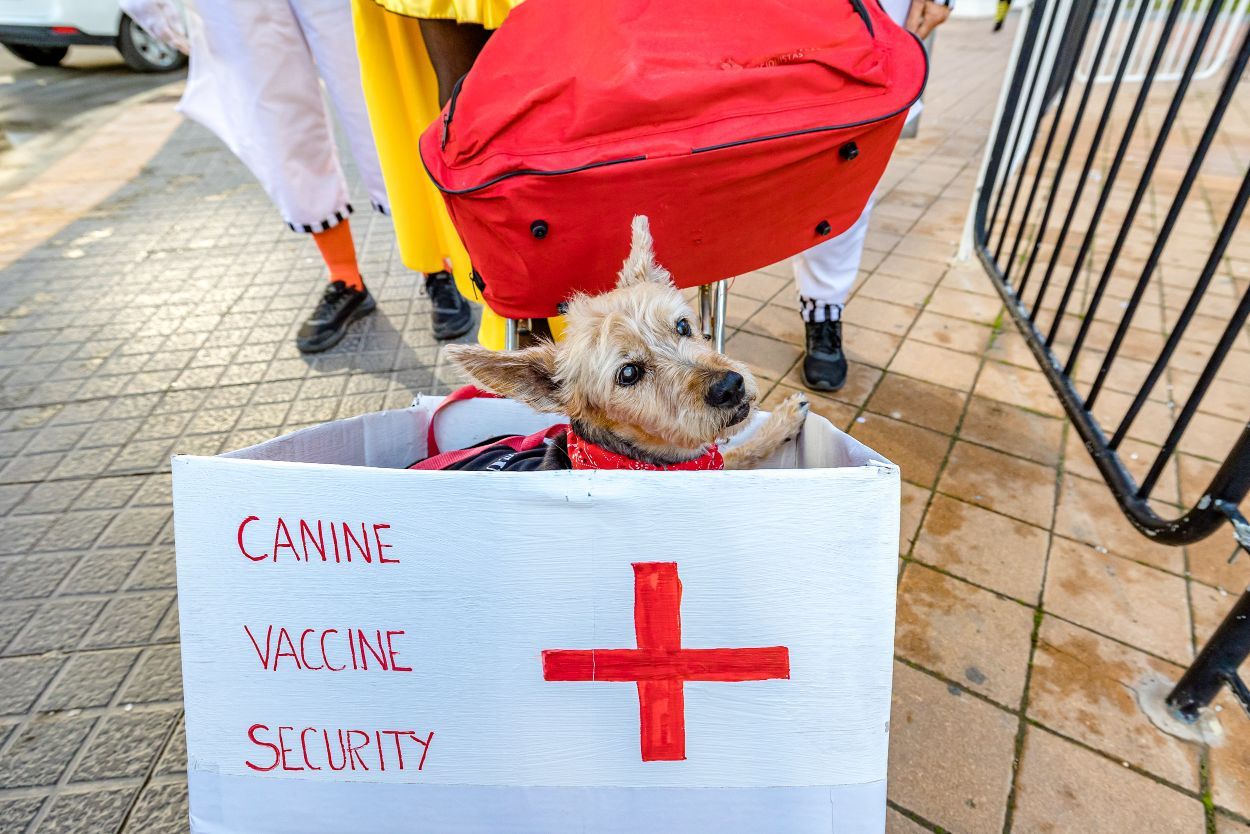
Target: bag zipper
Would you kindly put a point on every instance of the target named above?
(451, 107)
(862, 11)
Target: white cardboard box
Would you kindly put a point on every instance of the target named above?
(486, 603)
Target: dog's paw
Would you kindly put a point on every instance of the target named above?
(791, 414)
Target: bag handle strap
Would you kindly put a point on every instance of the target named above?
(516, 442)
(467, 392)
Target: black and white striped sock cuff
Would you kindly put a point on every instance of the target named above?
(325, 225)
(814, 310)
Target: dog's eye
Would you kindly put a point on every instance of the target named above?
(629, 374)
(683, 328)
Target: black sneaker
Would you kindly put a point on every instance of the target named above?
(824, 366)
(450, 313)
(340, 306)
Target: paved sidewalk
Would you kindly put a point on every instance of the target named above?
(162, 320)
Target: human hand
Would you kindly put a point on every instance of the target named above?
(926, 15)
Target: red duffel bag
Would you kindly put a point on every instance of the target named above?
(747, 130)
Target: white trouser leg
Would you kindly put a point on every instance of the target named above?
(825, 273)
(253, 83)
(327, 26)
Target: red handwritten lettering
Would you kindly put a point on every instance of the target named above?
(282, 746)
(349, 538)
(378, 654)
(251, 734)
(325, 657)
(367, 651)
(390, 650)
(243, 549)
(318, 543)
(377, 538)
(353, 752)
(264, 658)
(305, 540)
(282, 538)
(357, 749)
(304, 746)
(303, 653)
(290, 650)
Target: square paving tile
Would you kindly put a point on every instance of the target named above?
(784, 323)
(921, 403)
(1138, 605)
(1208, 607)
(933, 726)
(992, 550)
(1065, 788)
(1223, 825)
(1009, 485)
(964, 633)
(914, 501)
(866, 346)
(1023, 387)
(1009, 428)
(87, 811)
(1088, 512)
(982, 309)
(1230, 761)
(918, 452)
(884, 316)
(896, 290)
(895, 823)
(1087, 688)
(767, 358)
(1208, 562)
(42, 749)
(935, 364)
(948, 332)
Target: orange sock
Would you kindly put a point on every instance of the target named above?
(339, 253)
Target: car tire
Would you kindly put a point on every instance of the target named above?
(144, 53)
(40, 56)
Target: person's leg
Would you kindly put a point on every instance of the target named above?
(401, 93)
(255, 85)
(452, 47)
(345, 298)
(327, 26)
(824, 276)
(339, 252)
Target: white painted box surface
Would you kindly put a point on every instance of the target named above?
(533, 652)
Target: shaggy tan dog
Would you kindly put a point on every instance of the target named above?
(635, 377)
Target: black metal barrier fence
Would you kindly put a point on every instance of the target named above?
(1122, 122)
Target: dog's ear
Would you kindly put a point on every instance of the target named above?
(524, 375)
(640, 266)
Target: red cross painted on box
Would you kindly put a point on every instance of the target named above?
(660, 666)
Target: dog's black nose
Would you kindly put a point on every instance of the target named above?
(726, 391)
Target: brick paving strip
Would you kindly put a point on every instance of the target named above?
(161, 317)
(149, 307)
(109, 158)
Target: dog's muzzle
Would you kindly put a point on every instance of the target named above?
(727, 392)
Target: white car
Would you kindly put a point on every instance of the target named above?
(42, 31)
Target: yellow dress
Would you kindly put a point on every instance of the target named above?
(402, 94)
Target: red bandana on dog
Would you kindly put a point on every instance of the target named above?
(586, 455)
